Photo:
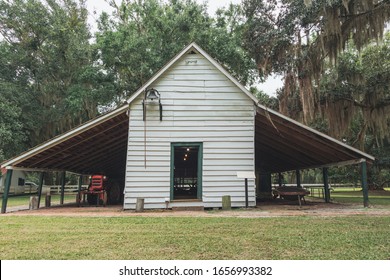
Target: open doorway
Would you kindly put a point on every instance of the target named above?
(186, 171)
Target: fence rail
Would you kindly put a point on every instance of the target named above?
(336, 185)
(56, 189)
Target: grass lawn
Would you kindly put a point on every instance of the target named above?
(350, 195)
(374, 197)
(24, 200)
(34, 237)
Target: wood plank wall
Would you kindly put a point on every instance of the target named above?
(199, 105)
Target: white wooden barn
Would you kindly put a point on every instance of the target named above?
(183, 137)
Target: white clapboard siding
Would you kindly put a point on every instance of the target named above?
(200, 105)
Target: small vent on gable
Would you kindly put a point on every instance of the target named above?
(191, 61)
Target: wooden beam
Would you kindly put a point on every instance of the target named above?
(79, 190)
(41, 176)
(94, 160)
(294, 144)
(7, 186)
(295, 140)
(284, 148)
(85, 152)
(280, 179)
(21, 168)
(62, 187)
(326, 184)
(313, 133)
(298, 175)
(364, 183)
(342, 163)
(55, 141)
(83, 140)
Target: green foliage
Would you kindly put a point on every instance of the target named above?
(12, 136)
(141, 36)
(264, 99)
(357, 91)
(53, 76)
(48, 60)
(298, 38)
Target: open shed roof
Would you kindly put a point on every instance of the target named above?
(283, 144)
(100, 145)
(97, 146)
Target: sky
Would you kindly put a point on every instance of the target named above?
(98, 6)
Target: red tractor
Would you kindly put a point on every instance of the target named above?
(97, 193)
(102, 191)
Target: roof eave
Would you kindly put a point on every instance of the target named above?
(63, 137)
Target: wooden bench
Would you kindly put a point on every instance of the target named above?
(290, 193)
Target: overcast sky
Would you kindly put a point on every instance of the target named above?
(98, 6)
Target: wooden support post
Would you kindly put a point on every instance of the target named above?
(33, 204)
(298, 175)
(7, 186)
(139, 206)
(246, 193)
(62, 187)
(280, 179)
(41, 176)
(104, 198)
(79, 190)
(299, 201)
(48, 200)
(326, 184)
(226, 202)
(364, 183)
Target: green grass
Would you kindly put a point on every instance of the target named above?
(25, 199)
(34, 237)
(350, 195)
(375, 197)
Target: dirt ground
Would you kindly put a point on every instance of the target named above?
(262, 210)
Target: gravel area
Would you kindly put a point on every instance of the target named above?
(263, 210)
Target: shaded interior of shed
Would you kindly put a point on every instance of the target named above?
(101, 149)
(285, 145)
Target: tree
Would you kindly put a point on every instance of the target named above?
(49, 61)
(297, 38)
(141, 36)
(54, 77)
(357, 92)
(264, 99)
(12, 135)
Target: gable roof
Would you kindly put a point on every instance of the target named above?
(193, 47)
(90, 148)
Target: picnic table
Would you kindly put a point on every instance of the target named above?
(290, 193)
